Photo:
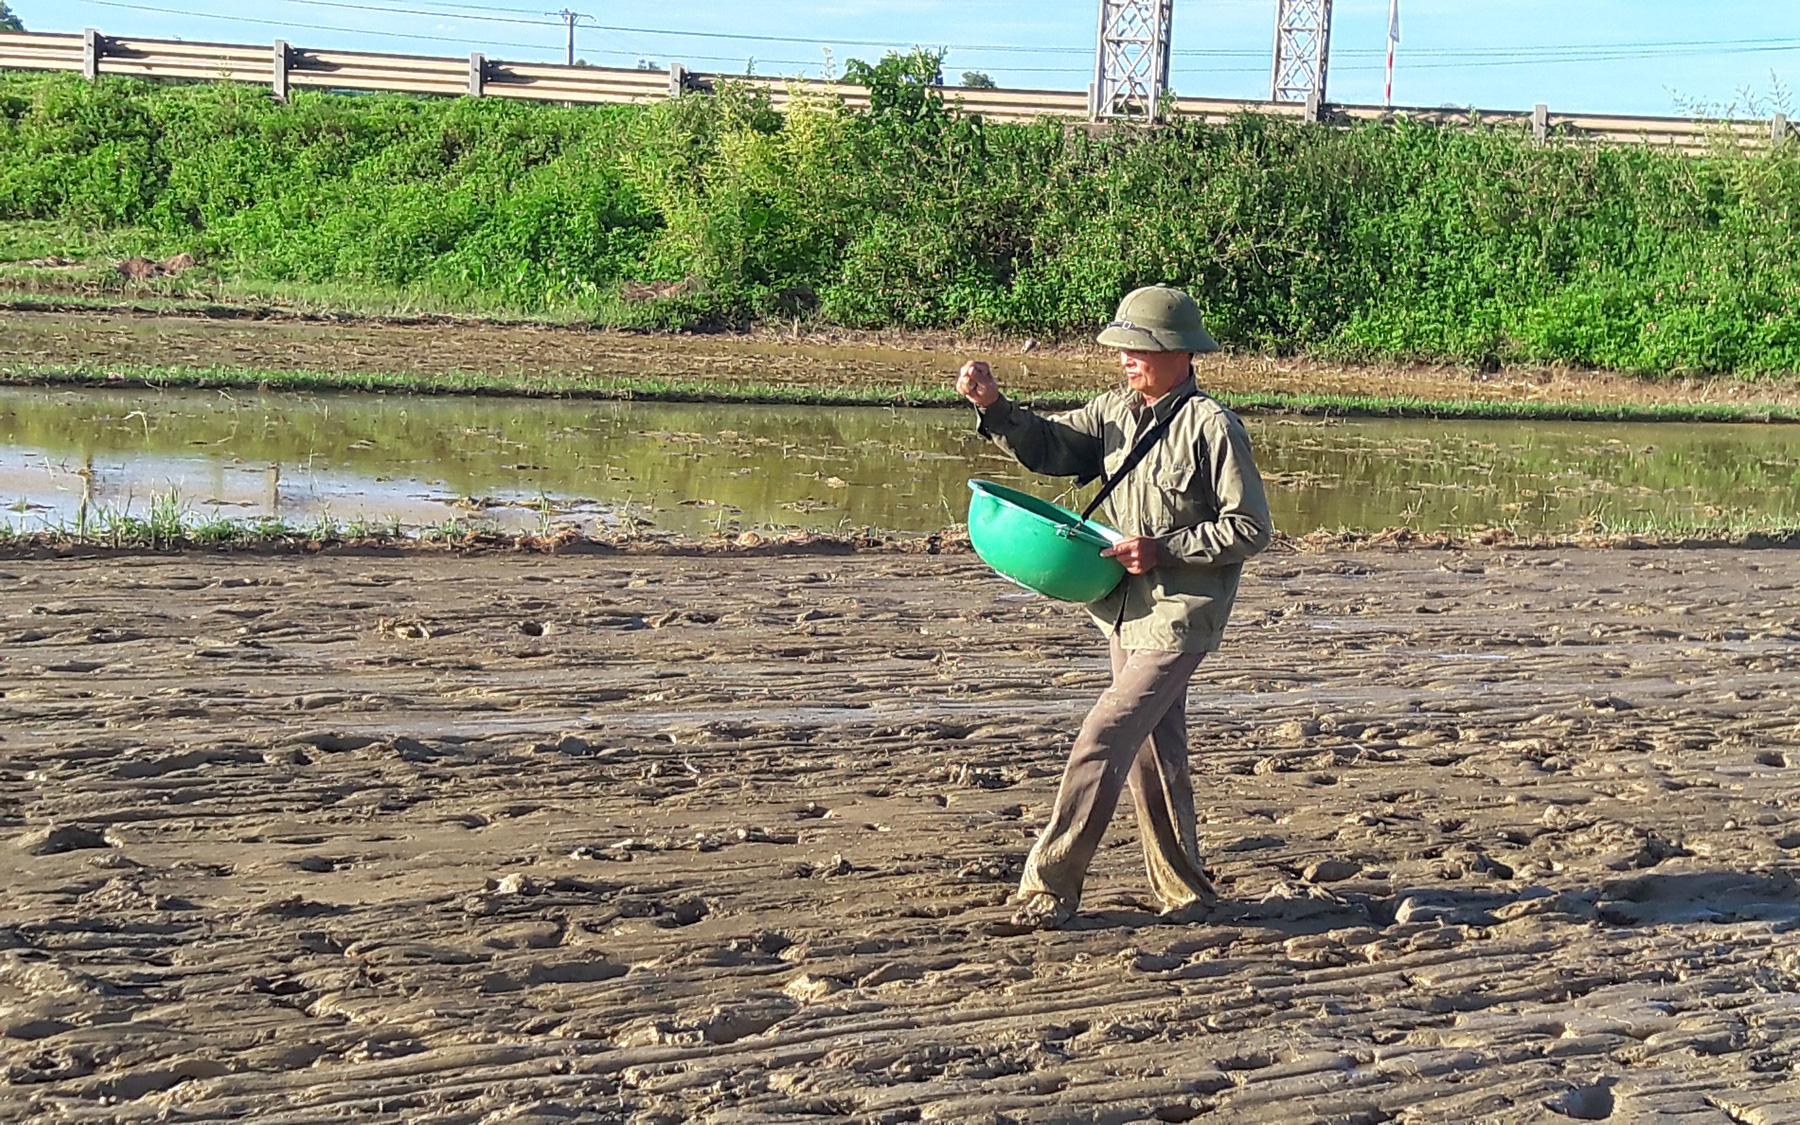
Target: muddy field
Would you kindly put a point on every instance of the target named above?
(1503, 835)
(827, 361)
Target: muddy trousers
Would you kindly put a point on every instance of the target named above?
(1136, 735)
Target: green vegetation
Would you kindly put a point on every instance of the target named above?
(8, 20)
(653, 389)
(169, 522)
(1379, 242)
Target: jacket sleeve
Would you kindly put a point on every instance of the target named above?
(1243, 526)
(1061, 445)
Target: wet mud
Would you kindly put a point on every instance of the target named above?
(1504, 836)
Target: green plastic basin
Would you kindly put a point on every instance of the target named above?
(1040, 545)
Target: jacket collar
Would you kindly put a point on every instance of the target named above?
(1166, 405)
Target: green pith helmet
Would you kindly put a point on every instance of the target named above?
(1157, 318)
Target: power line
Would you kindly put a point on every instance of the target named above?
(1522, 52)
(465, 40)
(1647, 47)
(539, 47)
(1618, 56)
(559, 23)
(306, 26)
(1469, 58)
(807, 40)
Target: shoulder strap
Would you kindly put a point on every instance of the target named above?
(1138, 453)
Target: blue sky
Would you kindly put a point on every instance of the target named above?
(1621, 56)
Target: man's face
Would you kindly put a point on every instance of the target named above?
(1155, 374)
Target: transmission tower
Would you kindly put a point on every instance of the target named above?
(1302, 50)
(1131, 66)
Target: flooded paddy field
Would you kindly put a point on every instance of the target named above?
(699, 469)
(1504, 837)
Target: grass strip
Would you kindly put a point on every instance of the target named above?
(873, 394)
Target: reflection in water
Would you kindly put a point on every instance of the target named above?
(696, 468)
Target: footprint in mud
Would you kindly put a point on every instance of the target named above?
(60, 609)
(726, 1023)
(686, 912)
(1254, 1060)
(1700, 896)
(51, 1066)
(554, 972)
(56, 840)
(298, 906)
(1585, 1103)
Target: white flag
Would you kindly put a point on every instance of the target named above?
(1393, 21)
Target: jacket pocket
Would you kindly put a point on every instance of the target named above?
(1173, 474)
(1179, 501)
(1207, 591)
(1192, 615)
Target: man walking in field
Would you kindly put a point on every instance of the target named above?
(1192, 511)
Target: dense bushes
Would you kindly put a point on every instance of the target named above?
(1378, 242)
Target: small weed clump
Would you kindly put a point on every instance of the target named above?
(1377, 242)
(170, 523)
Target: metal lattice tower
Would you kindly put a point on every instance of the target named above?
(1302, 50)
(1131, 65)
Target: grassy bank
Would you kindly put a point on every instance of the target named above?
(872, 394)
(1374, 243)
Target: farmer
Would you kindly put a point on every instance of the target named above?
(1192, 510)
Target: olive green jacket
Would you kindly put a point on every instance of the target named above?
(1198, 494)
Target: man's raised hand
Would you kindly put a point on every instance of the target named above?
(976, 383)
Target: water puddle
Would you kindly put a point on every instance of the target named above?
(699, 468)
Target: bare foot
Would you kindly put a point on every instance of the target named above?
(1043, 912)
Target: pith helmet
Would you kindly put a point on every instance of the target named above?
(1157, 318)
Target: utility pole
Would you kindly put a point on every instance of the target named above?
(570, 19)
(1302, 51)
(1131, 62)
(1393, 41)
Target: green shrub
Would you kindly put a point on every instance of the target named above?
(1377, 242)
